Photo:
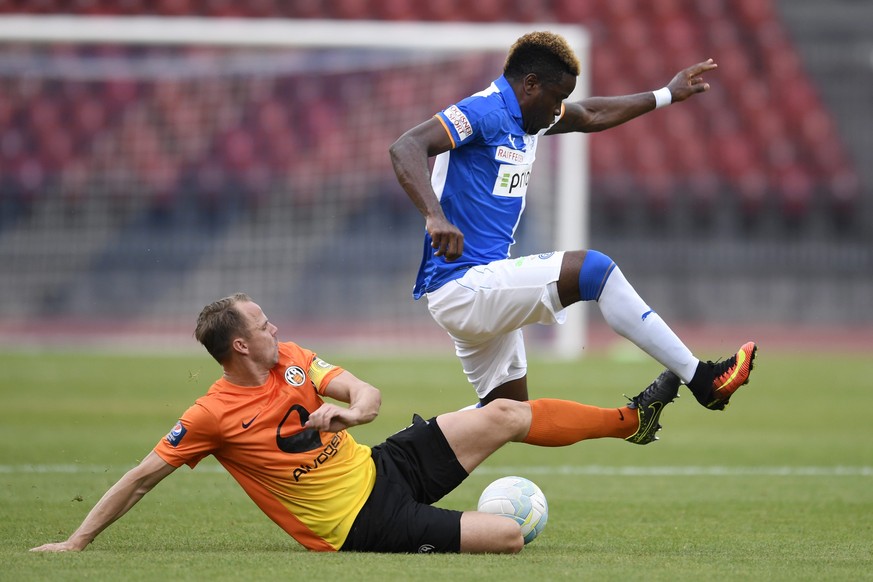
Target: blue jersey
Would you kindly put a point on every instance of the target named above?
(481, 182)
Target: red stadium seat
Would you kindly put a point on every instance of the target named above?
(88, 116)
(527, 11)
(56, 149)
(489, 11)
(302, 8)
(844, 193)
(175, 7)
(574, 12)
(615, 11)
(753, 190)
(442, 10)
(350, 9)
(795, 190)
(753, 13)
(735, 154)
(664, 11)
(238, 149)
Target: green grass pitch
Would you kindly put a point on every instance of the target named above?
(778, 487)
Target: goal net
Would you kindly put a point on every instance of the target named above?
(150, 166)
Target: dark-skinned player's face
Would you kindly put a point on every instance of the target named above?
(543, 107)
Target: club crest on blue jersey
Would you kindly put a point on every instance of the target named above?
(174, 437)
(295, 375)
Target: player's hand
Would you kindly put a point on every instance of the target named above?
(331, 418)
(445, 238)
(690, 81)
(66, 546)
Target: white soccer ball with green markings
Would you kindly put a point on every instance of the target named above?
(520, 499)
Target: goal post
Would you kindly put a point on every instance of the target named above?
(82, 247)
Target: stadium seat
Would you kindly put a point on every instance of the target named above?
(573, 11)
(752, 186)
(615, 11)
(664, 11)
(301, 8)
(723, 38)
(489, 11)
(795, 191)
(88, 116)
(709, 11)
(238, 151)
(679, 37)
(56, 149)
(175, 7)
(350, 9)
(657, 182)
(754, 13)
(43, 113)
(530, 12)
(613, 188)
(843, 187)
(266, 8)
(442, 10)
(30, 177)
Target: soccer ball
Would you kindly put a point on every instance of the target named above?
(520, 499)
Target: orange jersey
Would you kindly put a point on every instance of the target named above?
(312, 484)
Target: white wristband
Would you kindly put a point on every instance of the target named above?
(663, 97)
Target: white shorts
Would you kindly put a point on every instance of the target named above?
(484, 311)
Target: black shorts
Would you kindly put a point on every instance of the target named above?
(414, 468)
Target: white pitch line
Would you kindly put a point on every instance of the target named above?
(558, 470)
(682, 471)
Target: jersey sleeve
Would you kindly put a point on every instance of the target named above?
(194, 436)
(457, 124)
(321, 373)
(293, 357)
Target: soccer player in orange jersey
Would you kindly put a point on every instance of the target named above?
(265, 421)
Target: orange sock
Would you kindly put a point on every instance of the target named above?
(557, 423)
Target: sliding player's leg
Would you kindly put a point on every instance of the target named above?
(474, 434)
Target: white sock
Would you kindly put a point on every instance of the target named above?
(627, 314)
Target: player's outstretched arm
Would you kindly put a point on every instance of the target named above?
(409, 157)
(598, 113)
(114, 503)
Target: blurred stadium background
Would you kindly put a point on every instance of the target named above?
(138, 183)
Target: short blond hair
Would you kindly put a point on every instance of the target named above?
(544, 53)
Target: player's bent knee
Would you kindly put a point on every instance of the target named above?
(593, 275)
(515, 544)
(510, 539)
(509, 416)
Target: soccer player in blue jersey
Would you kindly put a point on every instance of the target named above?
(485, 146)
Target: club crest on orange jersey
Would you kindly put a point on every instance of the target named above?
(295, 375)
